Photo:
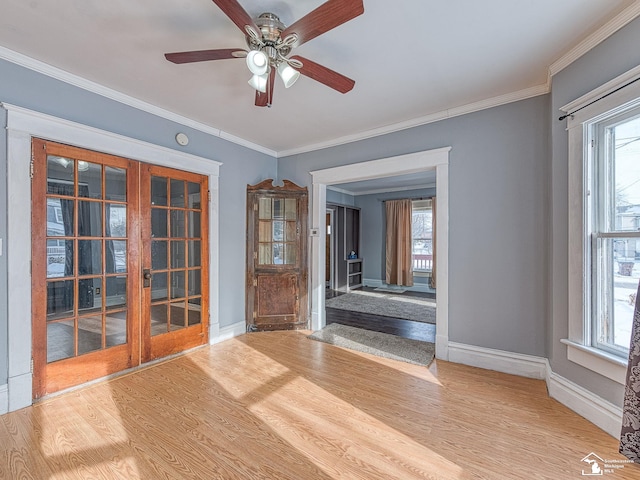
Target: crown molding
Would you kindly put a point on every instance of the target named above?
(381, 190)
(93, 87)
(431, 118)
(601, 34)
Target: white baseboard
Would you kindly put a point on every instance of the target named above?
(4, 399)
(229, 332)
(506, 362)
(19, 390)
(442, 347)
(595, 409)
(598, 411)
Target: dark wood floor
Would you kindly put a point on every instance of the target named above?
(425, 332)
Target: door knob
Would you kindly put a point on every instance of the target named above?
(146, 275)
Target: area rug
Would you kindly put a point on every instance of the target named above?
(388, 305)
(376, 343)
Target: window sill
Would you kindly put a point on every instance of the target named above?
(422, 273)
(606, 364)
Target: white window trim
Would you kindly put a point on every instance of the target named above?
(579, 349)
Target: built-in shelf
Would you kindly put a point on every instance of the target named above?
(354, 275)
(346, 273)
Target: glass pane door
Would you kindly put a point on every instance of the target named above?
(86, 230)
(81, 245)
(174, 243)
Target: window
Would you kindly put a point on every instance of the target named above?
(613, 228)
(603, 224)
(422, 238)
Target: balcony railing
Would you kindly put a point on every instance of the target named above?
(422, 261)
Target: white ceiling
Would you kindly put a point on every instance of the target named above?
(412, 60)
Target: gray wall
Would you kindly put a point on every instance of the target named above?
(340, 198)
(614, 56)
(372, 219)
(498, 178)
(508, 200)
(241, 166)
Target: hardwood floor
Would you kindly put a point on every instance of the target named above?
(394, 326)
(277, 405)
(425, 332)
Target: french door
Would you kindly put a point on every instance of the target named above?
(175, 266)
(119, 270)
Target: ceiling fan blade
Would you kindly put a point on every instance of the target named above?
(205, 55)
(324, 75)
(265, 99)
(327, 16)
(237, 14)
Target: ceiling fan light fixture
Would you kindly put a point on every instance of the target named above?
(287, 74)
(259, 82)
(258, 62)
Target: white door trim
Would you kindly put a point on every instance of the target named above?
(22, 125)
(437, 159)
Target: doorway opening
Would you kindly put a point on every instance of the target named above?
(405, 164)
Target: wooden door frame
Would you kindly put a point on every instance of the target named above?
(22, 125)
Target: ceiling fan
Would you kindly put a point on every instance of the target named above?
(270, 43)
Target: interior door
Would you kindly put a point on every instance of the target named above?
(119, 264)
(276, 287)
(175, 261)
(84, 273)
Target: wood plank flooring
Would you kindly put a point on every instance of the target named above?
(425, 332)
(276, 405)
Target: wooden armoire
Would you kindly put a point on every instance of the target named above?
(277, 270)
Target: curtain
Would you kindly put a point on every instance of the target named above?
(433, 242)
(630, 434)
(399, 244)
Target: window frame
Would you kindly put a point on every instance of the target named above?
(427, 206)
(602, 226)
(580, 347)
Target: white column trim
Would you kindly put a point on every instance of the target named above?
(22, 125)
(18, 269)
